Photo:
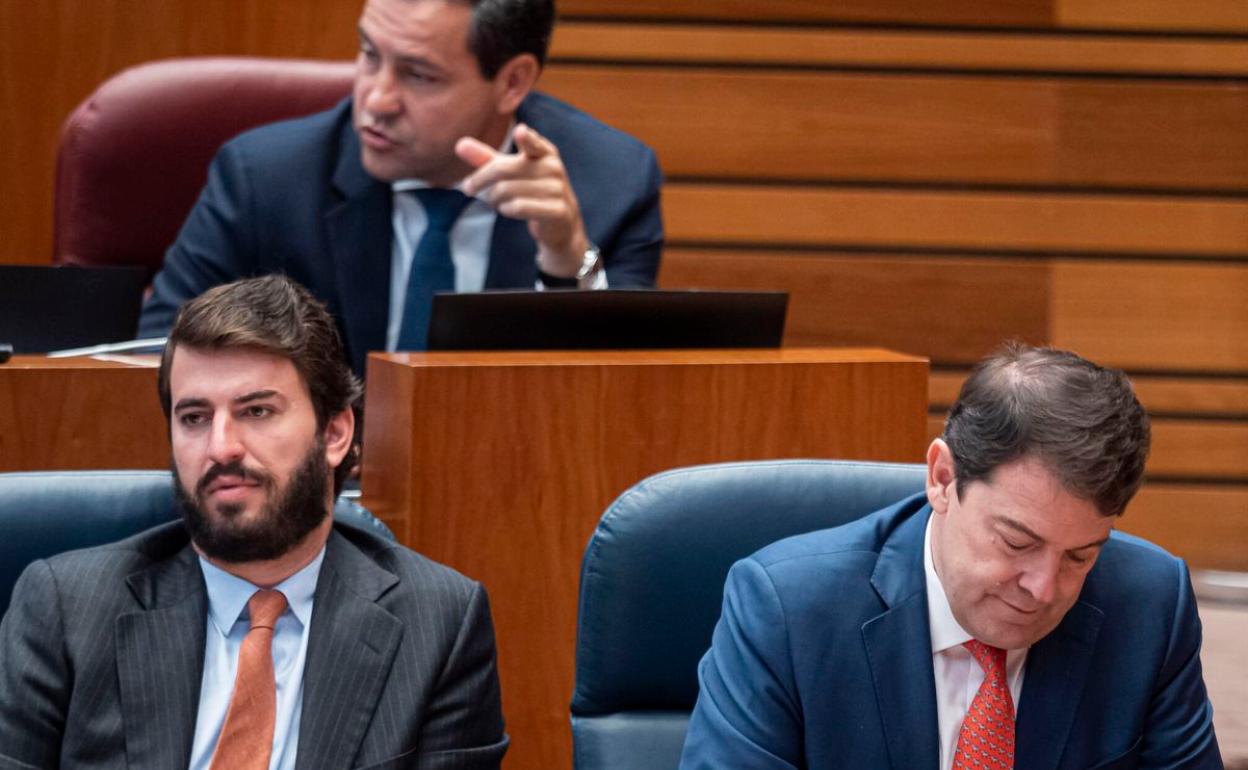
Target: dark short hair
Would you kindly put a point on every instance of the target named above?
(274, 315)
(1080, 419)
(503, 29)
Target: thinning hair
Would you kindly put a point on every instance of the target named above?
(1081, 420)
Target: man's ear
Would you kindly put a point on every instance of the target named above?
(514, 82)
(940, 476)
(339, 432)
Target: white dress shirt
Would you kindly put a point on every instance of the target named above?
(228, 623)
(958, 674)
(470, 245)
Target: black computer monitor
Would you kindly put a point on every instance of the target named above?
(45, 308)
(608, 319)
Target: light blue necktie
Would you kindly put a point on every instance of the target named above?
(432, 267)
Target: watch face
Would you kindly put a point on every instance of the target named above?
(589, 264)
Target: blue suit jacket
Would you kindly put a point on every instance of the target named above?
(292, 198)
(822, 659)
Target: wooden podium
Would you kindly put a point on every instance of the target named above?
(500, 465)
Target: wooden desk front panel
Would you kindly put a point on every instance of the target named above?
(79, 414)
(501, 465)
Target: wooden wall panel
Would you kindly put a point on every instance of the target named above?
(825, 126)
(903, 302)
(1200, 16)
(1201, 449)
(896, 49)
(1205, 524)
(1145, 133)
(1161, 395)
(1196, 396)
(1153, 315)
(925, 219)
(1029, 13)
(833, 126)
(1193, 16)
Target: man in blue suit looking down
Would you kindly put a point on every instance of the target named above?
(995, 621)
(445, 170)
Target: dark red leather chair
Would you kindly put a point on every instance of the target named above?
(135, 154)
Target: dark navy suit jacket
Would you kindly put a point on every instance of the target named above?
(822, 659)
(292, 198)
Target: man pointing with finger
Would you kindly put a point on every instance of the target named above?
(443, 171)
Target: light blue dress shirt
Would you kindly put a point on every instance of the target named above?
(228, 622)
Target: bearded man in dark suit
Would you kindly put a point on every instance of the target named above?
(151, 653)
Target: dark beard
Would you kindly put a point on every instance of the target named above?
(284, 522)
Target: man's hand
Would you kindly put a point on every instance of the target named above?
(530, 184)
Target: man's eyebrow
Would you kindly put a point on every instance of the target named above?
(406, 61)
(190, 403)
(1094, 544)
(255, 395)
(1014, 525)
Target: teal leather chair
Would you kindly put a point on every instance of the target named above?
(652, 583)
(44, 513)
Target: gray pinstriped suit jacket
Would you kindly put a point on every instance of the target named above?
(101, 655)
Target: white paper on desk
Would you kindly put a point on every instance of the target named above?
(150, 362)
(128, 346)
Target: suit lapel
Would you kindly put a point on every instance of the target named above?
(350, 651)
(160, 661)
(1057, 667)
(360, 234)
(512, 255)
(899, 650)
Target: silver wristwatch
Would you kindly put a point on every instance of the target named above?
(591, 263)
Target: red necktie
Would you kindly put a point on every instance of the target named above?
(246, 740)
(986, 741)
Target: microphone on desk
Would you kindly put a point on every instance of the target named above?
(6, 352)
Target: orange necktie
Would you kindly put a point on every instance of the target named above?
(246, 740)
(986, 741)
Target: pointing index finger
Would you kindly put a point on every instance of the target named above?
(531, 143)
(477, 154)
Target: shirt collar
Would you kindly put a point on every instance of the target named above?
(945, 630)
(228, 594)
(407, 185)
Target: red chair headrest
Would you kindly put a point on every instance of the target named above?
(135, 154)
